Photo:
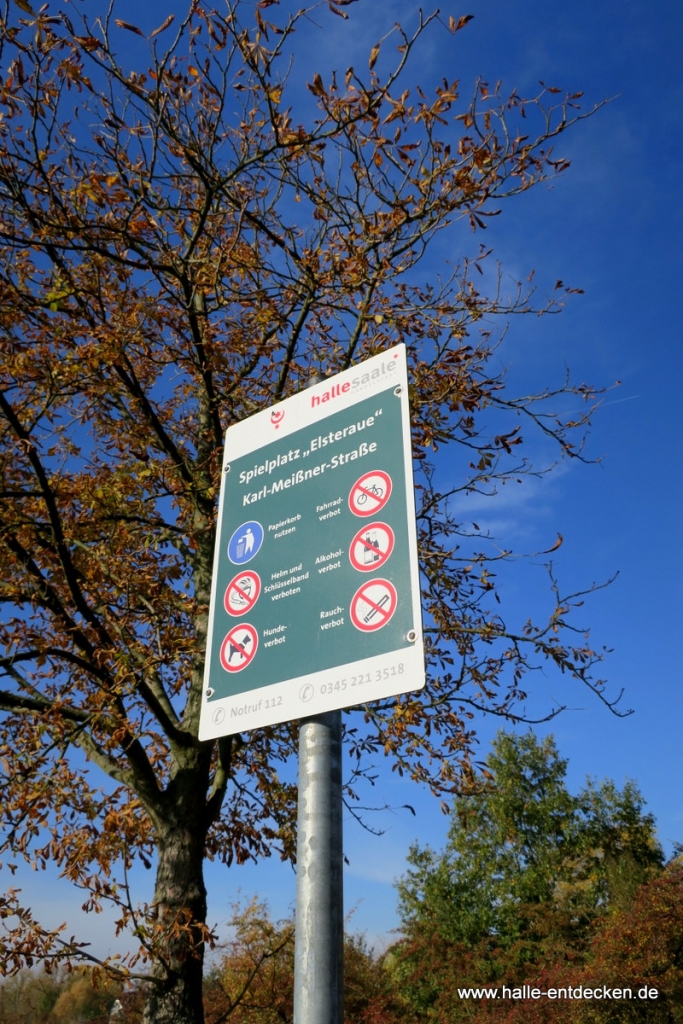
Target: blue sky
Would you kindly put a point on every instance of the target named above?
(611, 226)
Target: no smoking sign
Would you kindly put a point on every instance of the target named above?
(373, 604)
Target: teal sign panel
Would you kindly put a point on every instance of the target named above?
(315, 593)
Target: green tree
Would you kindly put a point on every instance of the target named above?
(86, 999)
(28, 997)
(637, 947)
(253, 981)
(187, 232)
(527, 872)
(640, 946)
(77, 997)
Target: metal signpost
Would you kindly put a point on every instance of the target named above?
(316, 607)
(319, 914)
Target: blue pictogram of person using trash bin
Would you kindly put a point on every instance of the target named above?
(245, 543)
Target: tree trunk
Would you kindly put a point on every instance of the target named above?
(175, 996)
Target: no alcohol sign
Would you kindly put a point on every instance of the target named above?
(371, 547)
(315, 602)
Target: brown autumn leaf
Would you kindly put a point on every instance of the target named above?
(335, 5)
(88, 43)
(374, 54)
(316, 86)
(455, 26)
(558, 544)
(164, 25)
(129, 28)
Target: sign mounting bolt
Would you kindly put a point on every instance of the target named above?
(411, 636)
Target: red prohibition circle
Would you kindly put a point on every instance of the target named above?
(242, 593)
(239, 647)
(371, 547)
(370, 493)
(373, 604)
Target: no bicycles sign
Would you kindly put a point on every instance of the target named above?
(315, 601)
(370, 493)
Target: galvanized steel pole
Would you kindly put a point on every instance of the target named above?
(319, 946)
(319, 912)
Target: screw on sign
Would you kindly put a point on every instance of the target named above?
(242, 593)
(373, 604)
(371, 547)
(239, 647)
(370, 493)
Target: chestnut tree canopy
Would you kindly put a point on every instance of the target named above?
(193, 220)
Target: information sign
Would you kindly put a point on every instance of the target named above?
(317, 505)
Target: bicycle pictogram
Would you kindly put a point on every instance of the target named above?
(370, 493)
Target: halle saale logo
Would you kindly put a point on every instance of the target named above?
(359, 383)
(276, 417)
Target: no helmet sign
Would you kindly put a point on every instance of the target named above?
(242, 593)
